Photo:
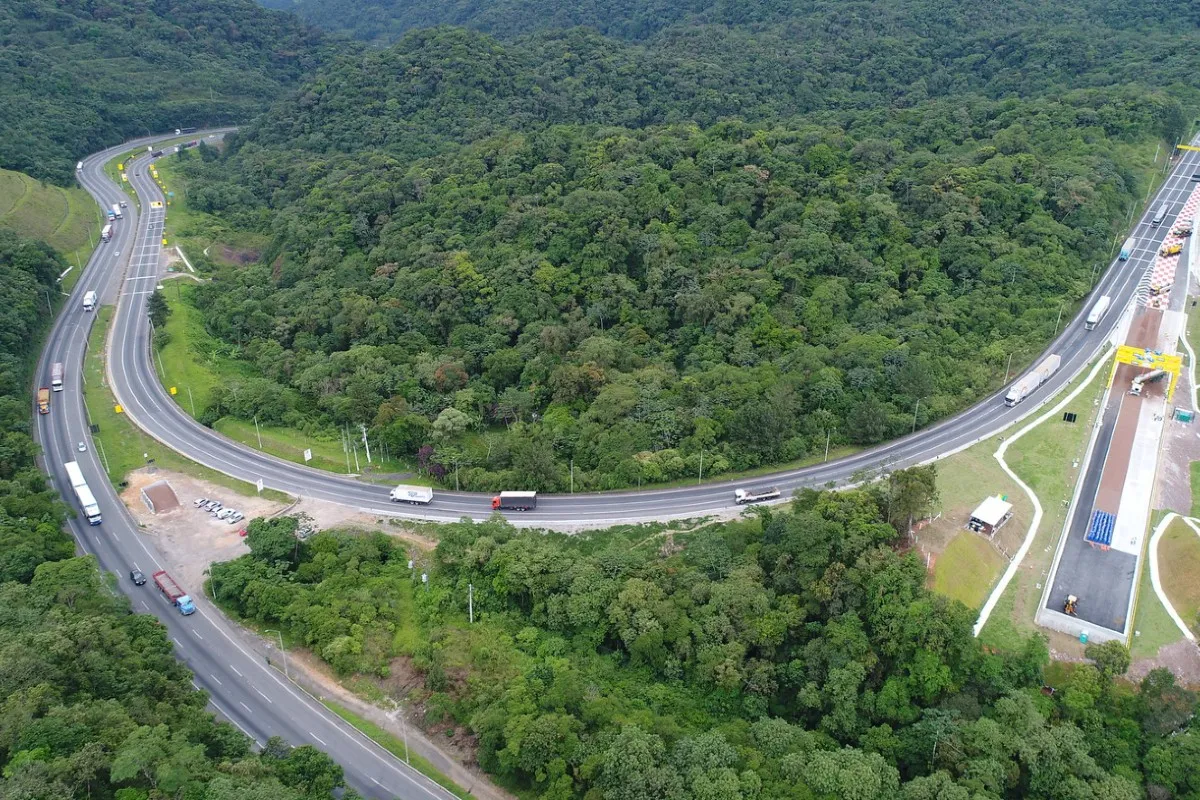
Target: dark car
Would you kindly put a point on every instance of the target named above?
(1196, 176)
(138, 577)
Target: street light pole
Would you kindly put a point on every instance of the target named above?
(915, 410)
(281, 650)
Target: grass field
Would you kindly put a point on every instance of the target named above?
(1046, 459)
(967, 569)
(1179, 562)
(396, 747)
(124, 448)
(66, 219)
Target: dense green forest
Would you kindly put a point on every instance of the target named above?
(508, 259)
(93, 703)
(793, 655)
(385, 20)
(79, 75)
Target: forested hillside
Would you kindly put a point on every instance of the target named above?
(572, 254)
(794, 656)
(383, 21)
(77, 75)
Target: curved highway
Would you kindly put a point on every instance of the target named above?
(242, 687)
(152, 408)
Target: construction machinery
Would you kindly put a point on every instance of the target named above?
(1070, 606)
(1183, 229)
(1170, 249)
(1140, 381)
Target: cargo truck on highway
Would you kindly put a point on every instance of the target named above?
(1161, 214)
(56, 376)
(89, 301)
(87, 501)
(178, 597)
(1097, 313)
(1032, 380)
(515, 501)
(1126, 249)
(110, 214)
(43, 401)
(417, 495)
(743, 496)
(106, 233)
(116, 210)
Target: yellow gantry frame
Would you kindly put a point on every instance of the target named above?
(1152, 359)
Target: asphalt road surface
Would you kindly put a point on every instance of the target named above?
(242, 687)
(150, 406)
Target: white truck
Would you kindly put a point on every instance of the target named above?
(743, 496)
(87, 502)
(1097, 313)
(56, 376)
(1031, 380)
(106, 233)
(116, 207)
(89, 301)
(416, 495)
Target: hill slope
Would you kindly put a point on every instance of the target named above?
(79, 75)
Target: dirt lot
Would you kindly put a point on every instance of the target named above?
(1182, 658)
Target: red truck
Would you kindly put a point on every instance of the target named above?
(178, 597)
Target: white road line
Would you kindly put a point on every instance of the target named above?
(215, 678)
(198, 636)
(318, 738)
(243, 705)
(177, 642)
(235, 669)
(377, 783)
(145, 605)
(264, 697)
(229, 717)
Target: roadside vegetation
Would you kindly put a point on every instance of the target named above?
(795, 653)
(67, 219)
(1179, 564)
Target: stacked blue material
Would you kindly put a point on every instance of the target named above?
(1101, 529)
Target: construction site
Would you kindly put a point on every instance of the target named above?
(1092, 588)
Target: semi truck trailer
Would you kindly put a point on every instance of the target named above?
(1097, 313)
(743, 496)
(515, 501)
(56, 376)
(89, 301)
(417, 495)
(1031, 380)
(87, 501)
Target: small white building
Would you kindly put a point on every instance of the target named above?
(990, 516)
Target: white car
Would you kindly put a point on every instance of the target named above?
(199, 501)
(226, 513)
(81, 447)
(235, 518)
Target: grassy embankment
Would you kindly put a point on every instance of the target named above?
(123, 447)
(1179, 560)
(66, 219)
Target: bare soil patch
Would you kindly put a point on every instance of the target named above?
(1182, 658)
(241, 256)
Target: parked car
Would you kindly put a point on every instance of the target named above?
(235, 518)
(212, 505)
(225, 513)
(138, 577)
(199, 501)
(216, 508)
(242, 532)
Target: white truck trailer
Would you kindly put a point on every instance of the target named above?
(1030, 381)
(417, 495)
(743, 496)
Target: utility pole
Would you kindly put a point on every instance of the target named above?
(1059, 319)
(828, 433)
(281, 650)
(192, 400)
(346, 451)
(49, 307)
(471, 603)
(366, 444)
(257, 432)
(572, 476)
(103, 456)
(917, 408)
(1008, 369)
(700, 480)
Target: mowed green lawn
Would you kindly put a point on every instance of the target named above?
(968, 569)
(1179, 564)
(60, 217)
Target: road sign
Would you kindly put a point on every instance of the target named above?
(172, 390)
(307, 455)
(260, 486)
(117, 408)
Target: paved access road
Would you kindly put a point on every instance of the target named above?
(153, 409)
(242, 687)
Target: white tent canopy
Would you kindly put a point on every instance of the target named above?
(992, 512)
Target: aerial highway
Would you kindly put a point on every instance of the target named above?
(150, 406)
(242, 687)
